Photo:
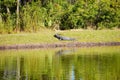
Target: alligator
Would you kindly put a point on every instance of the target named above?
(58, 36)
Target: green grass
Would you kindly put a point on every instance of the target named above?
(46, 36)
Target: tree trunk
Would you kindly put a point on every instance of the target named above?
(0, 18)
(8, 10)
(17, 20)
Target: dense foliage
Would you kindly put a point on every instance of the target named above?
(31, 15)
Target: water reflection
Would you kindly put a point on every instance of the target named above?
(41, 66)
(65, 51)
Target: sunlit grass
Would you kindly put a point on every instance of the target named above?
(96, 36)
(46, 36)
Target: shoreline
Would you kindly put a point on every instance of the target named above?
(58, 45)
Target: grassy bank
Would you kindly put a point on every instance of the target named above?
(46, 36)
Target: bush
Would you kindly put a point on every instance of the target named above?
(67, 14)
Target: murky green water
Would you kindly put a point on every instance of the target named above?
(97, 63)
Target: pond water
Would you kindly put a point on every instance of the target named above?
(96, 63)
